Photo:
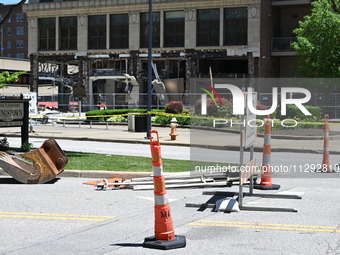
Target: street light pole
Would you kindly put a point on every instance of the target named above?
(149, 97)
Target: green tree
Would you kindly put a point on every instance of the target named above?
(318, 41)
(6, 77)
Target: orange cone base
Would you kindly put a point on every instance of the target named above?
(152, 243)
(265, 187)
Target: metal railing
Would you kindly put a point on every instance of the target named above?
(280, 44)
(329, 103)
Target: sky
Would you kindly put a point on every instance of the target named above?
(10, 1)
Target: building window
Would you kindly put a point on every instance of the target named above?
(235, 26)
(208, 27)
(9, 31)
(20, 31)
(46, 34)
(68, 33)
(174, 29)
(20, 55)
(144, 24)
(9, 20)
(20, 17)
(20, 44)
(97, 32)
(119, 31)
(9, 55)
(9, 44)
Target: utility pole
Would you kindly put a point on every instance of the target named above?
(149, 97)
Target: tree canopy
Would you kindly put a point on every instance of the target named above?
(318, 41)
(6, 77)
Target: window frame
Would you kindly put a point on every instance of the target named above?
(71, 37)
(156, 32)
(176, 26)
(238, 34)
(50, 39)
(95, 40)
(119, 31)
(208, 27)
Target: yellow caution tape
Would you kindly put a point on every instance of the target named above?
(202, 117)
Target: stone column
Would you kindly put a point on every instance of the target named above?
(32, 34)
(191, 66)
(83, 78)
(82, 33)
(34, 73)
(134, 30)
(190, 28)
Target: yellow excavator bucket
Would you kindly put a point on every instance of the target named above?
(48, 161)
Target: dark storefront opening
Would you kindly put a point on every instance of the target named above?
(223, 68)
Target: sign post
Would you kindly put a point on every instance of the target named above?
(15, 113)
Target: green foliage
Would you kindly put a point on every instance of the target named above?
(117, 119)
(165, 120)
(215, 109)
(174, 107)
(101, 114)
(200, 121)
(293, 112)
(6, 77)
(318, 40)
(225, 110)
(4, 145)
(26, 147)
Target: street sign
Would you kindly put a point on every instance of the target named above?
(247, 171)
(79, 91)
(250, 134)
(32, 96)
(14, 113)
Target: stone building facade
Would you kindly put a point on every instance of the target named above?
(103, 39)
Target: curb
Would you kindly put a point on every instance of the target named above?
(103, 174)
(168, 143)
(95, 174)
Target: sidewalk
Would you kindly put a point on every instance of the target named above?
(203, 138)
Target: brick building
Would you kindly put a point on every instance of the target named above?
(14, 37)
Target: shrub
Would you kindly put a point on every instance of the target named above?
(174, 107)
(294, 112)
(26, 147)
(118, 119)
(213, 109)
(101, 114)
(165, 120)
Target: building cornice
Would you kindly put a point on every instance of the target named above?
(124, 6)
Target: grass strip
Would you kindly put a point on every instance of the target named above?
(93, 161)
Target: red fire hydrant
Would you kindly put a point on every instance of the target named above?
(173, 127)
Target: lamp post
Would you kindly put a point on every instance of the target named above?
(149, 97)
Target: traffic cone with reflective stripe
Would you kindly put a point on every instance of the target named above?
(267, 169)
(325, 159)
(165, 238)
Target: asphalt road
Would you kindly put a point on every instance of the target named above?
(67, 217)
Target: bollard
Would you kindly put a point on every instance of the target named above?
(266, 174)
(165, 238)
(325, 158)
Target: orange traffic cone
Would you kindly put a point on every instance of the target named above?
(164, 238)
(267, 169)
(325, 159)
